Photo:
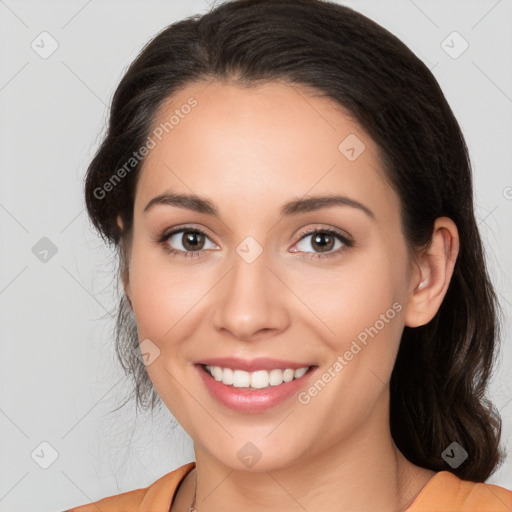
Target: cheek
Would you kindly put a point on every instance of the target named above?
(352, 299)
(163, 298)
(360, 313)
(161, 294)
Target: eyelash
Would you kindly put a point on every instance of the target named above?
(163, 238)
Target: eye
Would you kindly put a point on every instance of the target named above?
(190, 242)
(324, 241)
(187, 242)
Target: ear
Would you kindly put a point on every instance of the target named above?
(124, 270)
(432, 274)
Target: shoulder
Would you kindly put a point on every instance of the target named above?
(445, 492)
(157, 496)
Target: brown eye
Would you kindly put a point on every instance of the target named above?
(192, 240)
(187, 242)
(325, 243)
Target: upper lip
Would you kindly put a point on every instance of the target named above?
(252, 365)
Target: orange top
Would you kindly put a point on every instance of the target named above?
(444, 492)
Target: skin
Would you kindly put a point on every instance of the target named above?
(249, 150)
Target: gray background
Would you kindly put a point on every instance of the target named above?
(58, 373)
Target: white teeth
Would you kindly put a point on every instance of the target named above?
(258, 380)
(241, 379)
(300, 372)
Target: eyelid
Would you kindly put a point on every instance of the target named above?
(324, 229)
(176, 229)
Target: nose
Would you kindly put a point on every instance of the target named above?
(252, 301)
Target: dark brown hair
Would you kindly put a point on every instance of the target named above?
(442, 370)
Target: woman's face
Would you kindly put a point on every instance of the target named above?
(257, 286)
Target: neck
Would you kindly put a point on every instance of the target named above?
(363, 472)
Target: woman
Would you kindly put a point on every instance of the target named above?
(305, 287)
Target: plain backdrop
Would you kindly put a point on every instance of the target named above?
(59, 377)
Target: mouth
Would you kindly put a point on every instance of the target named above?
(254, 391)
(259, 379)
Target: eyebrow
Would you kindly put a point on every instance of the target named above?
(295, 207)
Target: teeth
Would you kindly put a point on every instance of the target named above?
(258, 380)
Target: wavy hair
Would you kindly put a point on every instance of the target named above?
(439, 381)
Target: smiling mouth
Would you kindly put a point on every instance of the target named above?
(260, 379)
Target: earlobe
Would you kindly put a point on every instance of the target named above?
(119, 222)
(127, 293)
(124, 271)
(434, 270)
(126, 287)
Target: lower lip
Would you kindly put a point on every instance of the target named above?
(252, 400)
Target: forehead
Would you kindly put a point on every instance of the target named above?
(253, 147)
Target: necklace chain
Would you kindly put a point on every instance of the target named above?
(192, 507)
